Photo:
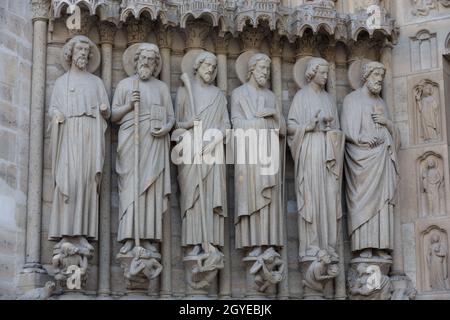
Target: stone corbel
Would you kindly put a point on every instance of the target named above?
(40, 9)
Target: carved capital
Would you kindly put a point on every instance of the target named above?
(107, 30)
(41, 9)
(276, 45)
(222, 44)
(361, 49)
(164, 37)
(251, 38)
(306, 46)
(137, 30)
(196, 34)
(328, 52)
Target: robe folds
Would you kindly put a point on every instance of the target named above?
(78, 153)
(210, 106)
(258, 217)
(318, 158)
(154, 160)
(371, 174)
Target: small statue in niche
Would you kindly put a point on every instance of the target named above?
(370, 284)
(432, 181)
(268, 269)
(320, 272)
(437, 264)
(428, 109)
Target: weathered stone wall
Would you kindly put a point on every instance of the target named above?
(420, 55)
(15, 83)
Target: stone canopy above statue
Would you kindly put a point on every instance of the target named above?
(233, 16)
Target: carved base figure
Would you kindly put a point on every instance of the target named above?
(140, 265)
(202, 266)
(266, 271)
(70, 262)
(368, 279)
(318, 270)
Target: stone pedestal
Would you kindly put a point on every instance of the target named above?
(264, 272)
(141, 270)
(196, 287)
(368, 279)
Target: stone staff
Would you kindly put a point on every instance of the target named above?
(136, 167)
(187, 84)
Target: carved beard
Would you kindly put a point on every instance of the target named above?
(374, 86)
(144, 71)
(261, 80)
(81, 62)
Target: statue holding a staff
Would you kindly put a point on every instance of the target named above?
(142, 106)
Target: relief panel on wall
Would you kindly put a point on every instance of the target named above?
(423, 51)
(431, 185)
(427, 112)
(432, 256)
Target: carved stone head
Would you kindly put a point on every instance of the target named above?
(78, 51)
(205, 67)
(259, 69)
(317, 71)
(373, 76)
(147, 61)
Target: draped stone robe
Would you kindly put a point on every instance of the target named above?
(211, 108)
(258, 217)
(370, 174)
(154, 161)
(318, 158)
(78, 152)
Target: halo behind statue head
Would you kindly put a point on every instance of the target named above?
(242, 64)
(190, 59)
(130, 53)
(355, 73)
(94, 54)
(300, 70)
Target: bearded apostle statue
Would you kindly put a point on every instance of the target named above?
(142, 106)
(79, 107)
(371, 167)
(201, 109)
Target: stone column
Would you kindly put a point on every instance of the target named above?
(329, 54)
(31, 275)
(165, 42)
(222, 79)
(107, 31)
(276, 52)
(340, 291)
(388, 96)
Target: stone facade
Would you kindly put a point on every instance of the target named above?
(411, 39)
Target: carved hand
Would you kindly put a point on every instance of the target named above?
(104, 111)
(372, 142)
(380, 119)
(59, 116)
(190, 124)
(135, 97)
(312, 125)
(161, 132)
(266, 113)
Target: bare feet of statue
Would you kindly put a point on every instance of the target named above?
(256, 252)
(367, 253)
(127, 247)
